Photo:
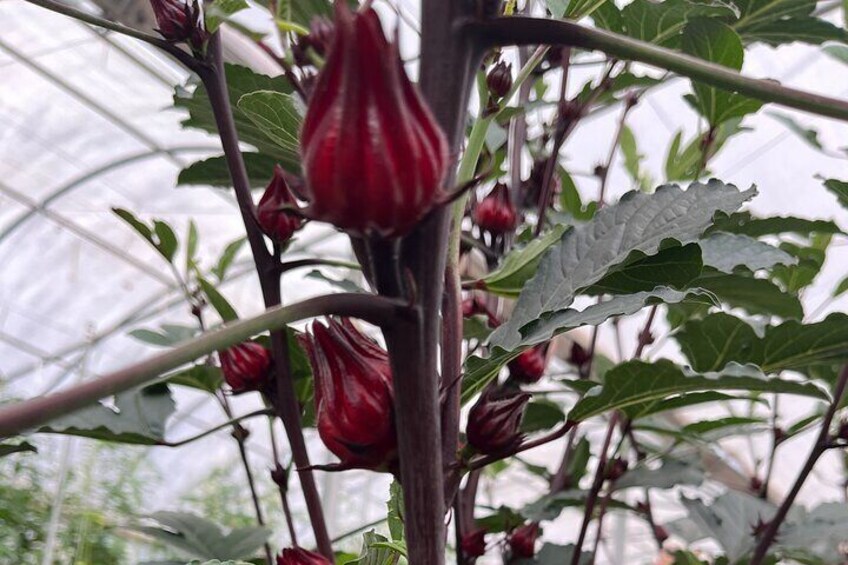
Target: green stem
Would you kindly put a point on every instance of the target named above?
(34, 413)
(522, 30)
(201, 435)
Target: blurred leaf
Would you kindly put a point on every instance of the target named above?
(202, 538)
(578, 9)
(476, 327)
(214, 171)
(138, 417)
(683, 162)
(670, 474)
(840, 189)
(217, 300)
(168, 335)
(395, 511)
(638, 222)
(716, 42)
(838, 52)
(636, 382)
(541, 415)
(553, 554)
(820, 532)
(220, 11)
(651, 407)
(777, 22)
(725, 252)
(378, 550)
(520, 264)
(11, 448)
(841, 287)
(570, 200)
(202, 377)
(558, 7)
(810, 136)
(550, 506)
(345, 285)
(227, 257)
(240, 81)
(276, 114)
(720, 338)
(191, 245)
(633, 159)
(303, 11)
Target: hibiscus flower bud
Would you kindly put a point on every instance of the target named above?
(495, 213)
(494, 423)
(353, 395)
(499, 80)
(616, 469)
(529, 366)
(522, 541)
(300, 556)
(578, 355)
(373, 155)
(245, 366)
(319, 39)
(473, 544)
(180, 21)
(275, 213)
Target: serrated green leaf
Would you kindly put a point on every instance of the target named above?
(745, 224)
(520, 264)
(12, 448)
(202, 538)
(139, 417)
(479, 371)
(217, 300)
(140, 227)
(670, 474)
(720, 339)
(839, 188)
(716, 42)
(395, 511)
(167, 336)
(725, 252)
(214, 171)
(166, 240)
(675, 266)
(756, 296)
(240, 81)
(638, 222)
(636, 382)
(276, 114)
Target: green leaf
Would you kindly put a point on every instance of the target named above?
(276, 114)
(676, 266)
(479, 371)
(744, 224)
(168, 335)
(838, 52)
(840, 189)
(820, 532)
(636, 382)
(638, 222)
(841, 287)
(202, 377)
(725, 252)
(670, 474)
(217, 300)
(633, 159)
(11, 448)
(504, 519)
(240, 81)
(578, 9)
(810, 261)
(138, 417)
(686, 163)
(558, 7)
(345, 285)
(550, 506)
(810, 136)
(777, 22)
(651, 407)
(716, 42)
(541, 415)
(570, 200)
(161, 237)
(140, 227)
(554, 554)
(227, 257)
(756, 296)
(720, 339)
(395, 511)
(378, 550)
(520, 264)
(220, 11)
(202, 538)
(303, 11)
(191, 245)
(214, 171)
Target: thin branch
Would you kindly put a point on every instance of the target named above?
(34, 413)
(170, 48)
(521, 31)
(822, 443)
(230, 422)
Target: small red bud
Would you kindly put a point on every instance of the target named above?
(660, 533)
(578, 356)
(755, 484)
(180, 21)
(373, 154)
(529, 367)
(475, 305)
(499, 80)
(780, 434)
(842, 431)
(522, 541)
(495, 213)
(319, 39)
(274, 212)
(353, 395)
(300, 556)
(494, 423)
(245, 366)
(473, 543)
(616, 469)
